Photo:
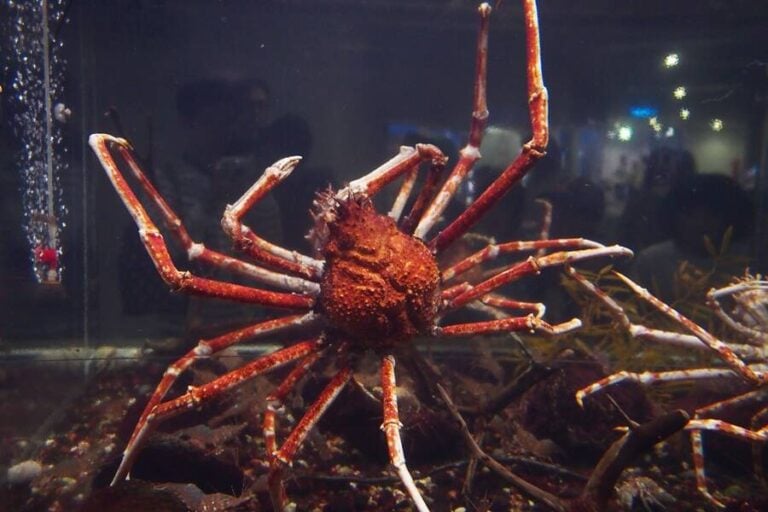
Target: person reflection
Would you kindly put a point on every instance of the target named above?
(700, 210)
(643, 221)
(223, 122)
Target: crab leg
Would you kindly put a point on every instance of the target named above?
(403, 194)
(741, 294)
(728, 356)
(531, 152)
(649, 378)
(391, 426)
(198, 395)
(696, 426)
(246, 240)
(523, 323)
(197, 251)
(402, 163)
(275, 400)
(425, 197)
(534, 265)
(287, 451)
(158, 250)
(492, 251)
(471, 152)
(206, 348)
(741, 350)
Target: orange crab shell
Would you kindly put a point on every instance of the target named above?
(381, 286)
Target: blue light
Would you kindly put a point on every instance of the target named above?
(643, 111)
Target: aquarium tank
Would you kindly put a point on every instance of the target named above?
(383, 255)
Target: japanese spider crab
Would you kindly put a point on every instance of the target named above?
(378, 285)
(747, 316)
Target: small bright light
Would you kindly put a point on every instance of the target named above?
(625, 133)
(685, 113)
(671, 60)
(655, 124)
(680, 92)
(670, 132)
(716, 124)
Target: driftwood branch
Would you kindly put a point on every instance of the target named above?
(622, 453)
(540, 494)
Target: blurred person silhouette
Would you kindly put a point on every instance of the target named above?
(643, 221)
(700, 210)
(222, 122)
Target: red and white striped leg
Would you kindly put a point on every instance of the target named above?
(156, 247)
(195, 396)
(403, 194)
(759, 420)
(651, 378)
(276, 400)
(195, 251)
(523, 323)
(741, 350)
(426, 195)
(696, 426)
(493, 251)
(471, 152)
(534, 265)
(207, 348)
(283, 456)
(749, 296)
(499, 302)
(246, 240)
(531, 152)
(409, 158)
(391, 426)
(749, 398)
(724, 351)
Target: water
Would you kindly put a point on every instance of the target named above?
(657, 145)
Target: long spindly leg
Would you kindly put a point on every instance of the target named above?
(725, 352)
(207, 348)
(253, 245)
(403, 194)
(404, 162)
(492, 251)
(651, 378)
(471, 152)
(533, 265)
(195, 396)
(759, 420)
(158, 251)
(283, 456)
(749, 295)
(757, 396)
(532, 150)
(391, 426)
(276, 399)
(423, 199)
(697, 425)
(195, 251)
(528, 323)
(642, 332)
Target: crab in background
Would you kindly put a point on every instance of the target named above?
(742, 306)
(373, 282)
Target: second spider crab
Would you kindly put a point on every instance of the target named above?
(743, 307)
(372, 284)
